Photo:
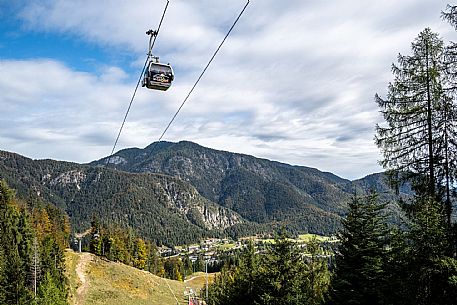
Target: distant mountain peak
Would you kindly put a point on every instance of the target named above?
(183, 191)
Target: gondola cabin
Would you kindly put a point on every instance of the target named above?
(158, 76)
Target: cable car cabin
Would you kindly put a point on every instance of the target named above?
(158, 76)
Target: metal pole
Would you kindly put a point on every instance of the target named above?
(206, 271)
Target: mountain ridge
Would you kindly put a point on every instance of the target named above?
(181, 192)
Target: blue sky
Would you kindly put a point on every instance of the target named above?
(294, 82)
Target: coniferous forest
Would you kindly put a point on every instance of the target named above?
(33, 236)
(384, 255)
(410, 261)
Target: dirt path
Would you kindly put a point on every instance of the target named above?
(81, 268)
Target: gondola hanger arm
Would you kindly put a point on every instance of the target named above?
(152, 34)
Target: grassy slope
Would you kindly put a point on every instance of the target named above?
(115, 283)
(71, 260)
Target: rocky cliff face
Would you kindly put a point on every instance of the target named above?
(174, 195)
(197, 209)
(160, 207)
(259, 190)
(71, 177)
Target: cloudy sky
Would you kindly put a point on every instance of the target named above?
(294, 82)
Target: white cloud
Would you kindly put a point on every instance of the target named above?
(295, 81)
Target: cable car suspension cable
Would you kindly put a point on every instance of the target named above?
(151, 45)
(199, 78)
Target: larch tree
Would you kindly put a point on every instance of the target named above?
(450, 14)
(140, 254)
(419, 144)
(418, 141)
(35, 271)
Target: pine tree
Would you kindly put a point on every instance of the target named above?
(358, 277)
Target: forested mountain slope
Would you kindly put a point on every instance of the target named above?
(260, 190)
(159, 207)
(181, 192)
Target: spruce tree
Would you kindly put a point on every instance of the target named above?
(25, 246)
(396, 270)
(187, 265)
(35, 271)
(13, 240)
(316, 279)
(221, 290)
(282, 274)
(50, 292)
(2, 276)
(95, 237)
(359, 272)
(241, 285)
(153, 258)
(246, 280)
(19, 259)
(431, 273)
